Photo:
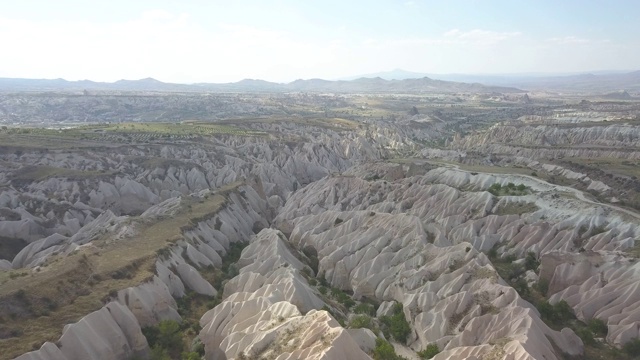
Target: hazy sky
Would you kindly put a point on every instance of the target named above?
(221, 41)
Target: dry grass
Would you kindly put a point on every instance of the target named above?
(39, 173)
(79, 283)
(621, 167)
(516, 208)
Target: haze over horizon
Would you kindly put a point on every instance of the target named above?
(218, 42)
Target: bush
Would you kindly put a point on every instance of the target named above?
(586, 335)
(493, 253)
(384, 351)
(546, 311)
(361, 321)
(428, 353)
(342, 298)
(159, 353)
(365, 308)
(563, 310)
(166, 337)
(521, 287)
(598, 327)
(543, 286)
(531, 262)
(632, 347)
(190, 356)
(396, 325)
(558, 313)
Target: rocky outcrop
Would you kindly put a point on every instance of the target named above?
(64, 191)
(357, 225)
(262, 314)
(445, 290)
(553, 141)
(112, 333)
(601, 285)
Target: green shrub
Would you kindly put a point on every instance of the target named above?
(364, 308)
(396, 325)
(546, 311)
(384, 351)
(493, 253)
(428, 353)
(190, 356)
(563, 310)
(159, 353)
(543, 286)
(586, 335)
(598, 327)
(559, 313)
(632, 347)
(531, 262)
(361, 321)
(342, 298)
(166, 337)
(151, 333)
(521, 287)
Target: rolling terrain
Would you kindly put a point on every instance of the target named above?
(453, 223)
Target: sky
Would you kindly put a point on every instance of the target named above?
(189, 41)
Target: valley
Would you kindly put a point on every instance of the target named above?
(460, 223)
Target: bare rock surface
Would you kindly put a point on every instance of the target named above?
(262, 313)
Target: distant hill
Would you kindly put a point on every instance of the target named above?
(396, 74)
(597, 81)
(618, 95)
(361, 85)
(604, 82)
(583, 83)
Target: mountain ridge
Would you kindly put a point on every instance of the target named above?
(599, 81)
(364, 85)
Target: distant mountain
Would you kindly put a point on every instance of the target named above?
(148, 84)
(618, 95)
(396, 74)
(597, 81)
(361, 85)
(583, 83)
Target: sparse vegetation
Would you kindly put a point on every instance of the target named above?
(510, 189)
(516, 208)
(384, 351)
(396, 325)
(429, 352)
